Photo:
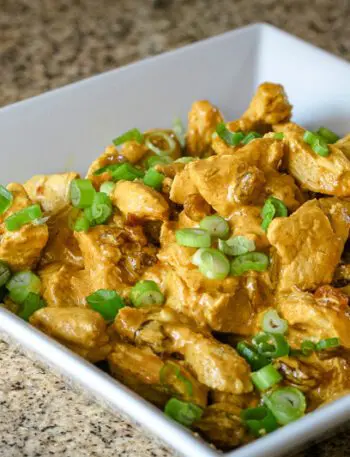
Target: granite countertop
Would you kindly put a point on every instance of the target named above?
(49, 43)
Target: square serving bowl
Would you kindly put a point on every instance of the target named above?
(67, 128)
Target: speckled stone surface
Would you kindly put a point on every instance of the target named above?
(49, 43)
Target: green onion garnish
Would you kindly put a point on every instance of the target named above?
(216, 226)
(179, 130)
(82, 223)
(126, 172)
(317, 143)
(107, 168)
(212, 263)
(185, 159)
(157, 160)
(231, 138)
(251, 355)
(82, 193)
(266, 377)
(253, 261)
(170, 369)
(22, 217)
(151, 138)
(107, 187)
(236, 245)
(106, 302)
(307, 348)
(193, 237)
(21, 284)
(272, 345)
(329, 136)
(32, 303)
(250, 137)
(327, 343)
(259, 421)
(130, 135)
(286, 403)
(278, 136)
(153, 179)
(273, 323)
(6, 199)
(5, 273)
(146, 293)
(183, 412)
(273, 207)
(101, 208)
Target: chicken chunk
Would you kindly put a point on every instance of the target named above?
(246, 220)
(283, 187)
(50, 191)
(136, 198)
(202, 121)
(133, 151)
(308, 246)
(344, 145)
(82, 330)
(182, 186)
(196, 208)
(110, 156)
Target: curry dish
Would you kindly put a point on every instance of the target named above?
(207, 270)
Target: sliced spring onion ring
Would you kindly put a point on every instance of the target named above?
(266, 377)
(193, 237)
(212, 263)
(250, 137)
(6, 199)
(251, 355)
(272, 345)
(278, 136)
(101, 208)
(107, 169)
(236, 245)
(130, 135)
(153, 179)
(82, 193)
(21, 284)
(157, 160)
(216, 226)
(106, 302)
(273, 323)
(259, 421)
(170, 369)
(329, 136)
(273, 207)
(82, 223)
(286, 403)
(179, 130)
(153, 136)
(231, 138)
(327, 343)
(183, 412)
(253, 261)
(127, 172)
(307, 348)
(22, 217)
(317, 143)
(32, 303)
(5, 273)
(146, 293)
(107, 187)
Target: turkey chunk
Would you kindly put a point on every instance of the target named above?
(82, 330)
(308, 246)
(50, 191)
(136, 198)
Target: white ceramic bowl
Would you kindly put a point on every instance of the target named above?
(67, 128)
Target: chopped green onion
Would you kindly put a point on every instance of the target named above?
(273, 207)
(179, 130)
(266, 377)
(5, 273)
(317, 143)
(82, 193)
(307, 348)
(82, 223)
(327, 343)
(6, 199)
(107, 187)
(286, 403)
(253, 261)
(329, 136)
(259, 421)
(216, 226)
(250, 137)
(21, 284)
(107, 168)
(157, 160)
(153, 179)
(169, 369)
(126, 172)
(231, 138)
(250, 354)
(130, 135)
(152, 137)
(146, 293)
(273, 323)
(236, 245)
(185, 159)
(183, 412)
(193, 237)
(22, 217)
(278, 136)
(212, 263)
(32, 303)
(272, 345)
(106, 302)
(101, 208)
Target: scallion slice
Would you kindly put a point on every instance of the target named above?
(307, 348)
(101, 208)
(6, 199)
(126, 172)
(130, 135)
(211, 263)
(170, 369)
(107, 169)
(5, 273)
(273, 207)
(107, 187)
(329, 136)
(259, 420)
(22, 217)
(216, 226)
(32, 303)
(273, 323)
(236, 245)
(106, 302)
(82, 193)
(327, 343)
(231, 138)
(183, 412)
(278, 136)
(287, 404)
(179, 130)
(272, 345)
(153, 179)
(193, 237)
(151, 139)
(317, 143)
(21, 284)
(157, 160)
(250, 137)
(266, 377)
(253, 261)
(82, 222)
(146, 293)
(251, 355)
